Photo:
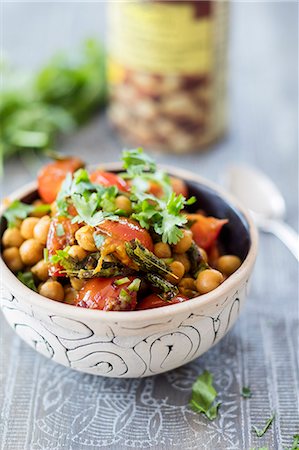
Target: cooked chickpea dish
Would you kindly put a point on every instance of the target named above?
(115, 242)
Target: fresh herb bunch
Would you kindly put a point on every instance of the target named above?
(60, 97)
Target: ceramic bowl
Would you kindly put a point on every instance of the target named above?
(137, 343)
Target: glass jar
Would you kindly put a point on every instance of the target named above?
(167, 70)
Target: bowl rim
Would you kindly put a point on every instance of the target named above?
(234, 281)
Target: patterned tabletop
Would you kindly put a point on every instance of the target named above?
(49, 407)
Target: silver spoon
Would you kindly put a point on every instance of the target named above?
(260, 195)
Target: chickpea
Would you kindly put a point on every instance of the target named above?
(76, 283)
(12, 237)
(183, 258)
(178, 270)
(162, 250)
(38, 214)
(184, 243)
(69, 295)
(12, 258)
(122, 202)
(40, 270)
(203, 254)
(187, 287)
(208, 280)
(228, 264)
(41, 229)
(85, 238)
(27, 227)
(77, 252)
(53, 290)
(31, 252)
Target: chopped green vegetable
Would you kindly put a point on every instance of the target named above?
(246, 392)
(261, 432)
(19, 210)
(125, 296)
(145, 259)
(167, 289)
(27, 279)
(204, 395)
(60, 230)
(135, 285)
(122, 281)
(60, 257)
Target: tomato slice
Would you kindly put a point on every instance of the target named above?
(103, 293)
(109, 179)
(52, 175)
(206, 230)
(126, 230)
(58, 242)
(154, 301)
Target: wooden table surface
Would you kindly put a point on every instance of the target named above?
(47, 406)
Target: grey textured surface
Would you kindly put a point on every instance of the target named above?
(46, 406)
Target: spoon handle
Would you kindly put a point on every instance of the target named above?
(284, 232)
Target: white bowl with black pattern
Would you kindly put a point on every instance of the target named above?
(137, 343)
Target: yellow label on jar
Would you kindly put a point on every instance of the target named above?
(159, 38)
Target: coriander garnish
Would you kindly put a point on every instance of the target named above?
(204, 395)
(246, 392)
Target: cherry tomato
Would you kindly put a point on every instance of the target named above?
(206, 230)
(103, 293)
(154, 301)
(126, 230)
(109, 179)
(52, 175)
(58, 242)
(178, 186)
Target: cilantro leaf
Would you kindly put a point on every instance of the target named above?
(164, 217)
(204, 395)
(20, 210)
(16, 210)
(261, 432)
(246, 392)
(27, 279)
(136, 161)
(63, 194)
